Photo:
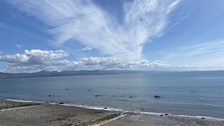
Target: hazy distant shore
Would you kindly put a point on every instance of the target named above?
(37, 114)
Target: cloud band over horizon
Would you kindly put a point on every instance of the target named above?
(38, 60)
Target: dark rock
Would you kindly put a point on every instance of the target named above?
(130, 96)
(49, 95)
(202, 118)
(161, 115)
(166, 114)
(157, 96)
(61, 103)
(98, 95)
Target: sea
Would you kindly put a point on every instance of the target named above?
(194, 93)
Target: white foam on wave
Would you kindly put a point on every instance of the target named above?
(117, 109)
(94, 107)
(199, 117)
(74, 105)
(24, 101)
(176, 115)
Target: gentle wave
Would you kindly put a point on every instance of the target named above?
(185, 116)
(74, 105)
(94, 107)
(209, 105)
(120, 110)
(24, 101)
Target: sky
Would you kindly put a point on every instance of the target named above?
(59, 35)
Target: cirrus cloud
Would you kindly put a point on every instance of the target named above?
(84, 21)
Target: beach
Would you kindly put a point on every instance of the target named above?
(43, 114)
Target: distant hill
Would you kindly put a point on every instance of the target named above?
(98, 72)
(56, 73)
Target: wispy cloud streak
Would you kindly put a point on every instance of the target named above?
(87, 23)
(207, 53)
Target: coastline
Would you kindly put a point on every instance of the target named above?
(64, 114)
(117, 109)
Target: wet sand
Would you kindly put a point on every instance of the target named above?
(9, 104)
(49, 115)
(34, 114)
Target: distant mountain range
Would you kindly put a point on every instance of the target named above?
(56, 73)
(95, 72)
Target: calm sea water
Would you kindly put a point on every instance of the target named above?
(188, 93)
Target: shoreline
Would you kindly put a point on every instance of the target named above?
(26, 113)
(118, 110)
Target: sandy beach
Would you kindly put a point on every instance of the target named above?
(36, 114)
(48, 115)
(163, 120)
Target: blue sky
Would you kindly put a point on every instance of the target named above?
(118, 34)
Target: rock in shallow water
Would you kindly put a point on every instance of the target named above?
(157, 96)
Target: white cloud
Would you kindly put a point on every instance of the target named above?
(44, 55)
(86, 22)
(37, 60)
(15, 58)
(34, 56)
(111, 63)
(86, 48)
